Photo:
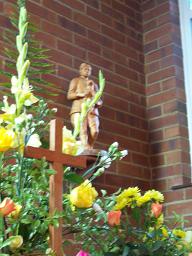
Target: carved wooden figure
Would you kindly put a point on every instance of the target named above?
(80, 89)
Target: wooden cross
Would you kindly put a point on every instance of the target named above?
(57, 159)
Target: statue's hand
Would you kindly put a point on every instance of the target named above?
(80, 95)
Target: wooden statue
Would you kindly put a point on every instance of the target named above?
(80, 89)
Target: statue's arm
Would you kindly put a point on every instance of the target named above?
(72, 92)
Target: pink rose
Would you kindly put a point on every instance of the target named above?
(82, 253)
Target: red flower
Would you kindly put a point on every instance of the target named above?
(113, 217)
(6, 207)
(156, 209)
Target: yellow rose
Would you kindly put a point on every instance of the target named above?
(16, 212)
(70, 145)
(16, 242)
(6, 139)
(84, 195)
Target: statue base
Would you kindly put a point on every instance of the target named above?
(93, 152)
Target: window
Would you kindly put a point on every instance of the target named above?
(185, 7)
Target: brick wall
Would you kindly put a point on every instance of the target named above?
(137, 45)
(108, 35)
(166, 103)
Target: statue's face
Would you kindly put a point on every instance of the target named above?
(85, 71)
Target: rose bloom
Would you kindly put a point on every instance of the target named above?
(16, 242)
(15, 214)
(6, 139)
(82, 253)
(84, 195)
(6, 207)
(113, 217)
(156, 209)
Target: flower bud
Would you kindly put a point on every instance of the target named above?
(123, 153)
(16, 242)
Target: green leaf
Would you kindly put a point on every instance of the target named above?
(157, 245)
(6, 243)
(136, 214)
(73, 177)
(125, 251)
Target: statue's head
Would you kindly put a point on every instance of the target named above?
(85, 70)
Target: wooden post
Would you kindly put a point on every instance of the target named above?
(57, 159)
(56, 185)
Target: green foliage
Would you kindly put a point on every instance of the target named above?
(37, 55)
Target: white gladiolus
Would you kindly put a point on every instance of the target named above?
(123, 153)
(105, 161)
(34, 141)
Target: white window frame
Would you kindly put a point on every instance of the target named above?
(186, 39)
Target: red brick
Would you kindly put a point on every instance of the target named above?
(180, 208)
(137, 110)
(113, 33)
(72, 26)
(162, 74)
(164, 121)
(87, 21)
(114, 56)
(162, 97)
(147, 5)
(101, 39)
(74, 5)
(71, 49)
(140, 159)
(126, 72)
(99, 61)
(60, 57)
(111, 12)
(154, 112)
(156, 11)
(57, 31)
(42, 12)
(157, 33)
(57, 7)
(137, 87)
(133, 171)
(152, 89)
(87, 44)
(171, 196)
(97, 15)
(126, 182)
(121, 48)
(5, 22)
(47, 39)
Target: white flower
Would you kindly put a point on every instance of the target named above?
(99, 172)
(14, 87)
(123, 153)
(115, 144)
(188, 237)
(105, 161)
(29, 116)
(19, 119)
(34, 141)
(97, 208)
